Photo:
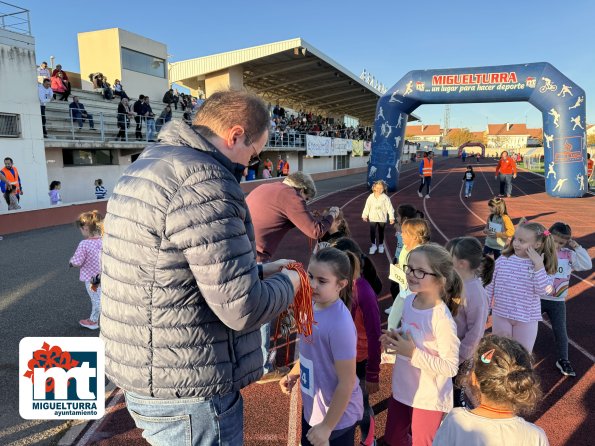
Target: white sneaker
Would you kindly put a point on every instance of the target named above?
(428, 196)
(373, 249)
(466, 196)
(469, 194)
(387, 311)
(419, 194)
(381, 249)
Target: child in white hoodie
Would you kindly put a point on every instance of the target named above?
(378, 208)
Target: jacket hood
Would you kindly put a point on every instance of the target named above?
(179, 133)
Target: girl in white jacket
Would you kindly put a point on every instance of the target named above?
(378, 208)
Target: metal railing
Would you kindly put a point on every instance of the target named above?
(100, 126)
(14, 18)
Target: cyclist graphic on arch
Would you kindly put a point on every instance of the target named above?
(565, 89)
(548, 85)
(581, 181)
(556, 116)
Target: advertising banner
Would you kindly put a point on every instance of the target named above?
(318, 146)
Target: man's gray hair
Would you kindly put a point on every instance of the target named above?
(301, 181)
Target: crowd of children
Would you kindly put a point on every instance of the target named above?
(452, 384)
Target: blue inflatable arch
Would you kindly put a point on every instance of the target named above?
(561, 102)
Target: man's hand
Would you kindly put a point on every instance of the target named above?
(294, 277)
(365, 219)
(268, 269)
(334, 211)
(514, 175)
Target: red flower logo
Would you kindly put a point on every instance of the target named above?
(49, 357)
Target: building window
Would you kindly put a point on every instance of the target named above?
(142, 63)
(10, 125)
(341, 162)
(92, 157)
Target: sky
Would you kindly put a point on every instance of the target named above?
(386, 37)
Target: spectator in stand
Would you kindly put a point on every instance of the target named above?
(79, 114)
(58, 71)
(139, 110)
(124, 115)
(149, 116)
(59, 85)
(164, 117)
(199, 101)
(100, 190)
(170, 98)
(97, 80)
(43, 72)
(108, 93)
(14, 179)
(119, 90)
(505, 172)
(46, 94)
(187, 117)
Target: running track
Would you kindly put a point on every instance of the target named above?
(567, 403)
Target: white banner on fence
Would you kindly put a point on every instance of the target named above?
(318, 146)
(341, 146)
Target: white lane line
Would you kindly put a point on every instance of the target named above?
(487, 182)
(464, 204)
(428, 216)
(117, 403)
(574, 344)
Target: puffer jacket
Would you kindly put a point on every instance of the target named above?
(182, 303)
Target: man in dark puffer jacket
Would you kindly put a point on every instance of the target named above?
(182, 295)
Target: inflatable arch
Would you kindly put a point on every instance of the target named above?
(561, 102)
(472, 144)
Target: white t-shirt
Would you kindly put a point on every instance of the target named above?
(462, 427)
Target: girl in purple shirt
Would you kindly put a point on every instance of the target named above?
(331, 395)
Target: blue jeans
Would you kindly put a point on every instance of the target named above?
(217, 421)
(505, 184)
(265, 334)
(468, 187)
(151, 129)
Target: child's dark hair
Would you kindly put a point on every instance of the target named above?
(561, 230)
(470, 167)
(54, 184)
(547, 248)
(499, 206)
(343, 226)
(92, 220)
(368, 270)
(507, 377)
(345, 266)
(440, 262)
(419, 228)
(98, 182)
(407, 211)
(470, 249)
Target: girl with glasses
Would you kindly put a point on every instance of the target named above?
(427, 348)
(415, 232)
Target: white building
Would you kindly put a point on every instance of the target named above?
(21, 136)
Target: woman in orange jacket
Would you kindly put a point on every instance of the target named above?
(505, 172)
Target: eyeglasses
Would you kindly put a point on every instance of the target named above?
(254, 159)
(417, 273)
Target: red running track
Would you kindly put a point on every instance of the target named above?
(568, 402)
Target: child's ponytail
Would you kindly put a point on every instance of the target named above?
(486, 269)
(347, 294)
(92, 220)
(470, 249)
(453, 292)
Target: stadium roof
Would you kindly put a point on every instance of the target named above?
(291, 72)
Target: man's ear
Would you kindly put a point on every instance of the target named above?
(233, 135)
